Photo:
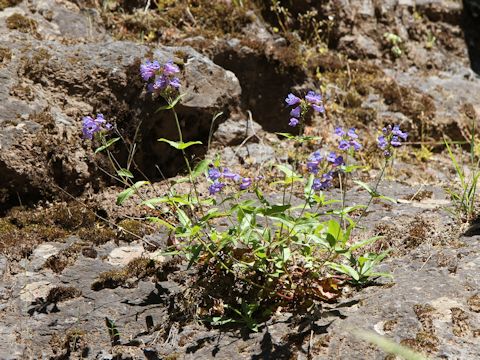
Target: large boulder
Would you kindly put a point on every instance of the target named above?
(51, 77)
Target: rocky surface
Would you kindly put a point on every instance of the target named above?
(51, 78)
(72, 286)
(431, 304)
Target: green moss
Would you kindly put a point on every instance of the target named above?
(21, 23)
(195, 17)
(97, 235)
(72, 217)
(5, 55)
(8, 3)
(62, 293)
(67, 257)
(128, 276)
(131, 230)
(20, 241)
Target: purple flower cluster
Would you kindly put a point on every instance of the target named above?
(328, 164)
(217, 176)
(161, 78)
(348, 139)
(90, 126)
(301, 106)
(391, 138)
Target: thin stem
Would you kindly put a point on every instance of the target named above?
(187, 162)
(362, 215)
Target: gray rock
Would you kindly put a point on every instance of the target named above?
(235, 130)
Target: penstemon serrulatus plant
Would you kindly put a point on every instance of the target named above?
(270, 251)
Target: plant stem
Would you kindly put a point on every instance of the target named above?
(362, 215)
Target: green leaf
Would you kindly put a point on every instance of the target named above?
(289, 173)
(157, 220)
(180, 145)
(124, 173)
(286, 135)
(345, 269)
(125, 194)
(108, 144)
(388, 199)
(183, 218)
(389, 346)
(367, 187)
(196, 253)
(363, 243)
(286, 254)
(166, 199)
(458, 169)
(200, 168)
(172, 104)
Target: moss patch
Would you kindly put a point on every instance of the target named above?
(5, 55)
(193, 17)
(22, 229)
(8, 3)
(21, 23)
(67, 257)
(131, 230)
(97, 235)
(62, 293)
(128, 276)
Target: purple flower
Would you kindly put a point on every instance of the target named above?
(170, 68)
(392, 137)
(215, 187)
(90, 126)
(230, 175)
(382, 142)
(160, 83)
(351, 134)
(160, 77)
(317, 185)
(293, 122)
(175, 83)
(395, 141)
(344, 145)
(331, 157)
(313, 98)
(292, 99)
(246, 182)
(316, 156)
(396, 131)
(356, 145)
(324, 182)
(338, 161)
(339, 131)
(314, 161)
(149, 69)
(214, 174)
(296, 112)
(318, 108)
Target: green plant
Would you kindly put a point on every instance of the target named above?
(282, 14)
(431, 40)
(465, 197)
(256, 251)
(394, 42)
